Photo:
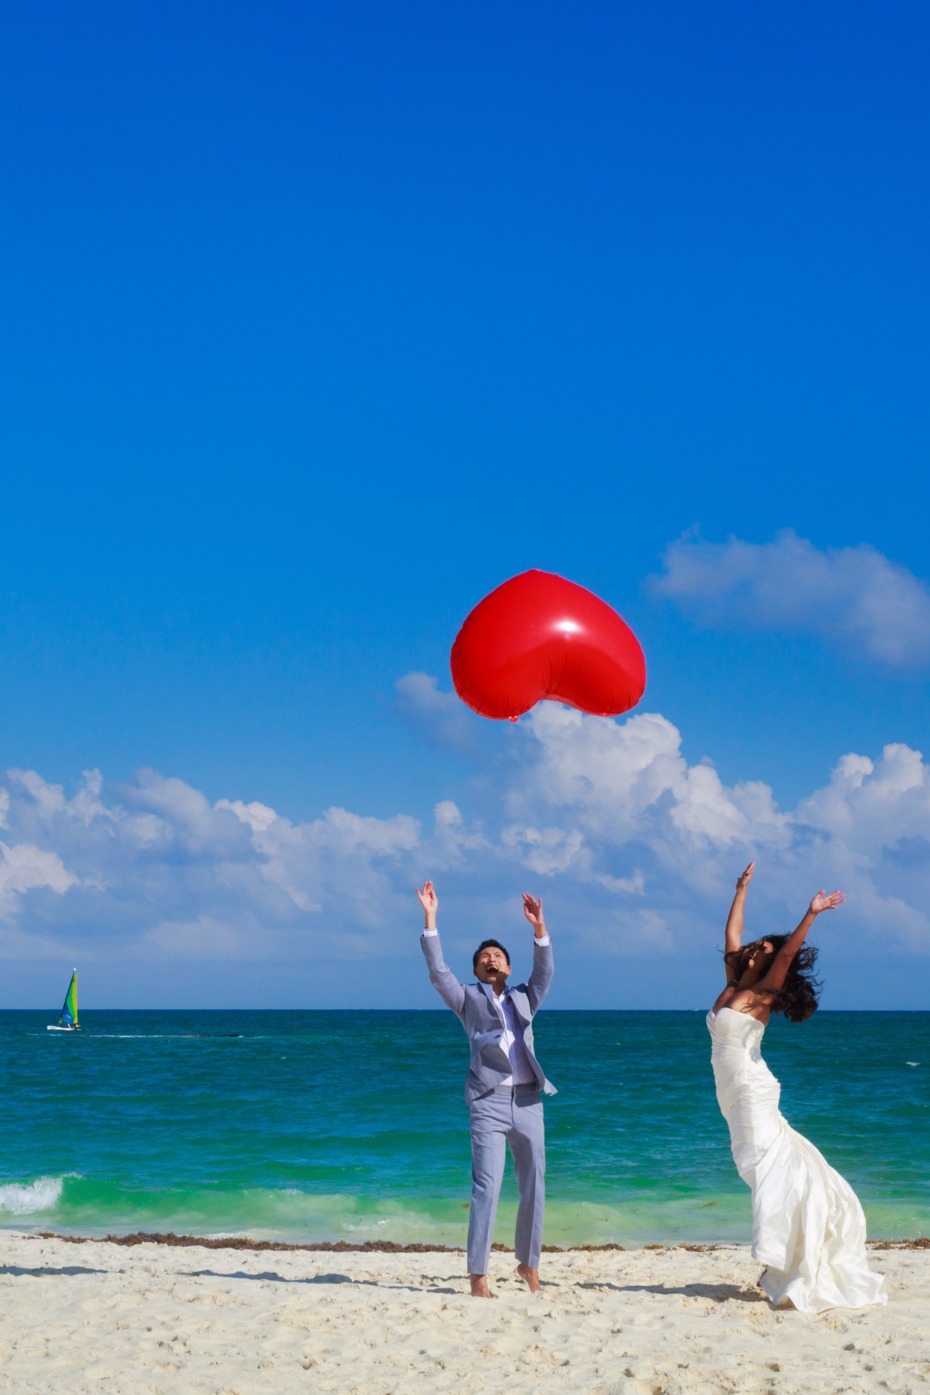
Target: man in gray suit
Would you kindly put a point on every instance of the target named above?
(503, 1085)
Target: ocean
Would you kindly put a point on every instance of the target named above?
(305, 1126)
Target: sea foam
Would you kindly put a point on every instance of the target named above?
(26, 1198)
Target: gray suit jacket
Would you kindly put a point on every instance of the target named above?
(473, 1006)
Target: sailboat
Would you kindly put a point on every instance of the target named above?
(68, 1021)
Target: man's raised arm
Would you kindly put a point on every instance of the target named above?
(541, 977)
(440, 975)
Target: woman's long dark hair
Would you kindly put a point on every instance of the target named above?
(797, 1000)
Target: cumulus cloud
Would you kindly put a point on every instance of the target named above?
(635, 846)
(25, 867)
(342, 856)
(151, 867)
(627, 783)
(873, 804)
(548, 851)
(619, 809)
(438, 715)
(853, 597)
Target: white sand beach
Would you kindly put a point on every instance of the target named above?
(152, 1318)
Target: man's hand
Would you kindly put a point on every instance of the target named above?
(533, 911)
(823, 902)
(430, 903)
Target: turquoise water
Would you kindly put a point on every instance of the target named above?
(308, 1126)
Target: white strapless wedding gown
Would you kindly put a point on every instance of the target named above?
(807, 1225)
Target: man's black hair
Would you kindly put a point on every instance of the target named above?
(488, 944)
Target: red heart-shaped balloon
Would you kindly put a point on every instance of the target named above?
(540, 636)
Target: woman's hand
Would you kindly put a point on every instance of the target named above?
(744, 878)
(823, 902)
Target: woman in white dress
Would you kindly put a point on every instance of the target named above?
(807, 1225)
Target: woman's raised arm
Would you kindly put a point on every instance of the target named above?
(774, 980)
(734, 931)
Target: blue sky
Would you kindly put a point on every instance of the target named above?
(321, 321)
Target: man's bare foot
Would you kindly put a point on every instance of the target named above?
(479, 1286)
(529, 1276)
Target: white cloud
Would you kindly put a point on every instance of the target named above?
(626, 782)
(342, 852)
(627, 812)
(636, 848)
(873, 805)
(25, 867)
(212, 938)
(548, 851)
(850, 596)
(633, 886)
(48, 799)
(259, 817)
(638, 933)
(453, 840)
(152, 866)
(438, 715)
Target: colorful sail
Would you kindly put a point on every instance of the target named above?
(69, 1011)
